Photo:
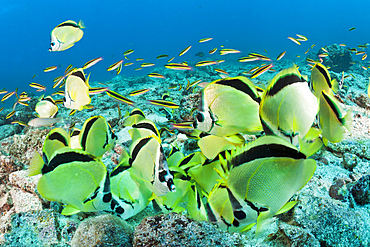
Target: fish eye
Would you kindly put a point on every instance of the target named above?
(52, 43)
(200, 117)
(64, 99)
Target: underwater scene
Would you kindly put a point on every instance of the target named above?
(188, 123)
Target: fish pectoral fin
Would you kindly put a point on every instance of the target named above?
(248, 227)
(70, 210)
(288, 206)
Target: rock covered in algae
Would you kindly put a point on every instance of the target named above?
(289, 235)
(178, 230)
(339, 58)
(333, 223)
(33, 228)
(103, 230)
(361, 190)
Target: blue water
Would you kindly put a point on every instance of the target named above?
(152, 28)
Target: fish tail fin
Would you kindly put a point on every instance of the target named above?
(81, 24)
(36, 164)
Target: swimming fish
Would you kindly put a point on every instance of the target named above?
(281, 55)
(115, 65)
(185, 51)
(128, 52)
(119, 97)
(73, 177)
(92, 62)
(65, 35)
(178, 66)
(7, 96)
(139, 92)
(38, 86)
(11, 114)
(75, 138)
(148, 163)
(46, 108)
(204, 40)
(205, 63)
(261, 177)
(134, 117)
(97, 136)
(279, 115)
(321, 80)
(163, 103)
(128, 196)
(56, 139)
(229, 106)
(76, 91)
(48, 69)
(228, 51)
(294, 40)
(162, 56)
(156, 75)
(40, 122)
(332, 118)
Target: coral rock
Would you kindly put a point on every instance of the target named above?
(337, 189)
(103, 230)
(288, 235)
(38, 228)
(349, 161)
(361, 190)
(177, 230)
(24, 201)
(339, 58)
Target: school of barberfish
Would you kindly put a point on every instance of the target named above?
(212, 181)
(234, 183)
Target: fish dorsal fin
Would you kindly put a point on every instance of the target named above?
(284, 78)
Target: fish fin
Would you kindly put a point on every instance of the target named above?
(152, 197)
(261, 221)
(70, 210)
(248, 227)
(325, 141)
(36, 164)
(237, 139)
(288, 206)
(87, 80)
(212, 145)
(81, 24)
(348, 120)
(335, 85)
(123, 159)
(310, 148)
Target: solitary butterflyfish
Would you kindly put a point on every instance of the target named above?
(76, 91)
(288, 108)
(260, 179)
(229, 106)
(65, 35)
(46, 108)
